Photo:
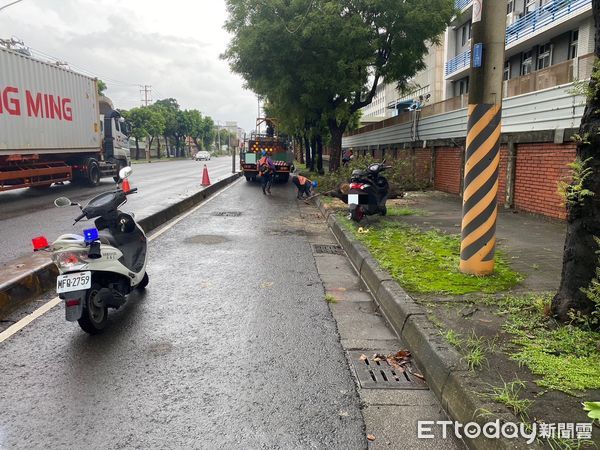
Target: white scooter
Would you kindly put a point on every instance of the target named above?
(99, 269)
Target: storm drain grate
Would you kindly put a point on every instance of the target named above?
(328, 249)
(380, 374)
(228, 213)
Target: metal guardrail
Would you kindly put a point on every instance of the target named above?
(549, 109)
(543, 16)
(462, 4)
(458, 62)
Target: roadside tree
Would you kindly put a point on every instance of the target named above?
(583, 205)
(330, 55)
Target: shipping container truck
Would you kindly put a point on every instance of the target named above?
(54, 127)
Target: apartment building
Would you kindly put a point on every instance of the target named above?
(548, 43)
(428, 84)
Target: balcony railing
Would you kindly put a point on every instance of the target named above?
(462, 4)
(562, 73)
(458, 62)
(541, 17)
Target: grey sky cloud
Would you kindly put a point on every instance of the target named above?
(174, 46)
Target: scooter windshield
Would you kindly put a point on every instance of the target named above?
(101, 200)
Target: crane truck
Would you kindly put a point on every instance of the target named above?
(55, 127)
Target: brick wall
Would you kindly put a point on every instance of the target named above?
(539, 168)
(448, 162)
(502, 175)
(423, 166)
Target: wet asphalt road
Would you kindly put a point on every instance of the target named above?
(231, 346)
(26, 213)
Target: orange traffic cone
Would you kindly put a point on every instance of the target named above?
(125, 186)
(205, 177)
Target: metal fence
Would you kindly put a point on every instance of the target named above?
(458, 62)
(549, 109)
(462, 4)
(543, 16)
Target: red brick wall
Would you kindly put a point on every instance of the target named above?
(423, 165)
(502, 175)
(539, 168)
(448, 161)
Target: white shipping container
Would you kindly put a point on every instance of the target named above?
(45, 108)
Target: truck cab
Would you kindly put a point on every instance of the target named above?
(115, 133)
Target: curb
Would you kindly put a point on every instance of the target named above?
(447, 375)
(25, 286)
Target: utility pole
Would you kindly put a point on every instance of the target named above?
(482, 157)
(219, 136)
(146, 92)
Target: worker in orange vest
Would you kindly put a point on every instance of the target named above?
(303, 184)
(266, 170)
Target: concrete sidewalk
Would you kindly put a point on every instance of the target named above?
(534, 244)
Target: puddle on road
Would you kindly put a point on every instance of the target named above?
(206, 239)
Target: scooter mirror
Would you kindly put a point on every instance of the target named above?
(61, 202)
(125, 172)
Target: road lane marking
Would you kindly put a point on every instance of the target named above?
(18, 326)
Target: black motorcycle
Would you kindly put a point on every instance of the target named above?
(368, 192)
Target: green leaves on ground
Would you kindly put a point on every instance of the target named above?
(593, 408)
(427, 261)
(567, 358)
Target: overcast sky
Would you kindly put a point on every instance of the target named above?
(172, 45)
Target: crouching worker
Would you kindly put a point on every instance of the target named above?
(303, 184)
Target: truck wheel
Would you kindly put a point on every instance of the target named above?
(248, 178)
(285, 178)
(93, 173)
(94, 315)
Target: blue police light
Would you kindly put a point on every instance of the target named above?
(90, 235)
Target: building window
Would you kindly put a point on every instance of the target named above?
(465, 33)
(463, 86)
(507, 71)
(527, 63)
(544, 56)
(510, 6)
(530, 5)
(573, 44)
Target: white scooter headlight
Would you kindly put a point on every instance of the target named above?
(71, 259)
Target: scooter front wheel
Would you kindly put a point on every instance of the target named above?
(94, 315)
(144, 282)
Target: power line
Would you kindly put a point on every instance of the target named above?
(10, 4)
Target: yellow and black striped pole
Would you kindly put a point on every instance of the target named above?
(482, 153)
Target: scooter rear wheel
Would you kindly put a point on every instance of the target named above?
(94, 315)
(357, 214)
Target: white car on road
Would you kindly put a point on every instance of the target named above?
(202, 156)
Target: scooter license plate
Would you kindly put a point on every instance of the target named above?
(78, 281)
(353, 199)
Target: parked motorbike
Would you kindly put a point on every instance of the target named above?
(99, 269)
(368, 192)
